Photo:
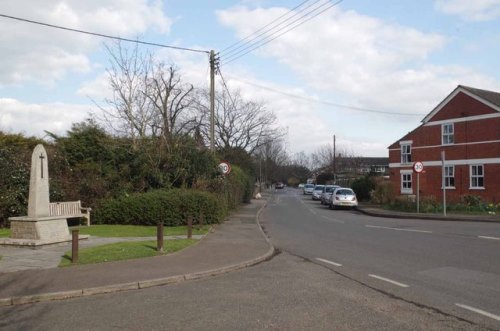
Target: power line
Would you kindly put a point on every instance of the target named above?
(103, 35)
(327, 103)
(270, 25)
(264, 41)
(225, 86)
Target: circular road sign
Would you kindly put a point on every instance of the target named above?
(418, 167)
(225, 168)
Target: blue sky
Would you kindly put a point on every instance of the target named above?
(400, 57)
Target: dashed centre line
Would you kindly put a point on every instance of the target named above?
(479, 311)
(388, 280)
(329, 262)
(397, 229)
(486, 237)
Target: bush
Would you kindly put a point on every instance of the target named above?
(383, 192)
(172, 208)
(363, 186)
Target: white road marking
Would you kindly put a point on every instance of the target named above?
(389, 280)
(485, 237)
(479, 311)
(329, 262)
(397, 229)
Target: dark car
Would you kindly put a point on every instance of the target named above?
(279, 185)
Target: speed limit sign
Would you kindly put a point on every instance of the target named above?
(225, 168)
(418, 167)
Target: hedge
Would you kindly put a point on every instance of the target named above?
(170, 207)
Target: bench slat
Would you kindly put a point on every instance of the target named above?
(70, 209)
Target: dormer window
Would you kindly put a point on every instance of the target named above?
(447, 134)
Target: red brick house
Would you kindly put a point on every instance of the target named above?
(465, 127)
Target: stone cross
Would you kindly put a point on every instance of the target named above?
(38, 202)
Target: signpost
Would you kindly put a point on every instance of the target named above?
(418, 167)
(225, 168)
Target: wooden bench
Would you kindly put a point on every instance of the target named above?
(70, 209)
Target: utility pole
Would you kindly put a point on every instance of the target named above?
(334, 172)
(212, 100)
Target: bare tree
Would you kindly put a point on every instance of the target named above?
(172, 102)
(128, 111)
(149, 97)
(239, 123)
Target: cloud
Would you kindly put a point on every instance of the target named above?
(477, 10)
(16, 117)
(352, 59)
(33, 53)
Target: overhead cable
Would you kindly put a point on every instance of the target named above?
(327, 103)
(288, 27)
(104, 35)
(268, 27)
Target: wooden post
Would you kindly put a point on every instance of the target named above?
(190, 227)
(159, 237)
(74, 246)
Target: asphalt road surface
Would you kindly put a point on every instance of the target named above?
(453, 267)
(337, 270)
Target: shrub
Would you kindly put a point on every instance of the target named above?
(383, 192)
(363, 186)
(171, 208)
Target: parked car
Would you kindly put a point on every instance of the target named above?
(308, 189)
(327, 193)
(316, 194)
(301, 185)
(279, 186)
(343, 197)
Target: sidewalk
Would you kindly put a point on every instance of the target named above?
(237, 243)
(377, 211)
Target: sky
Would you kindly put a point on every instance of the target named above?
(365, 71)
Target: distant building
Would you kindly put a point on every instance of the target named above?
(465, 129)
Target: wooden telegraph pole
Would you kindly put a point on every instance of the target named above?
(212, 100)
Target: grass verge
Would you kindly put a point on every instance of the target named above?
(4, 232)
(125, 251)
(136, 230)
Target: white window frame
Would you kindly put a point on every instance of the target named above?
(406, 190)
(448, 177)
(473, 176)
(447, 134)
(405, 156)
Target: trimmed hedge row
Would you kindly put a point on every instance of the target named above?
(170, 207)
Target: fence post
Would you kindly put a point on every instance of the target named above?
(159, 237)
(74, 246)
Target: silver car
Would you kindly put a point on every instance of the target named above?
(327, 193)
(343, 197)
(308, 188)
(316, 194)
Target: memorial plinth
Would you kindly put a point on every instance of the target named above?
(38, 228)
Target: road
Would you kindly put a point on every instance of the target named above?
(357, 285)
(453, 267)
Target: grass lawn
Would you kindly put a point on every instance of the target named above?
(125, 251)
(4, 232)
(127, 230)
(135, 230)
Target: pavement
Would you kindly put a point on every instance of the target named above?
(31, 275)
(374, 210)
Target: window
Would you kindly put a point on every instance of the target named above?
(449, 176)
(447, 132)
(477, 176)
(406, 183)
(406, 153)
